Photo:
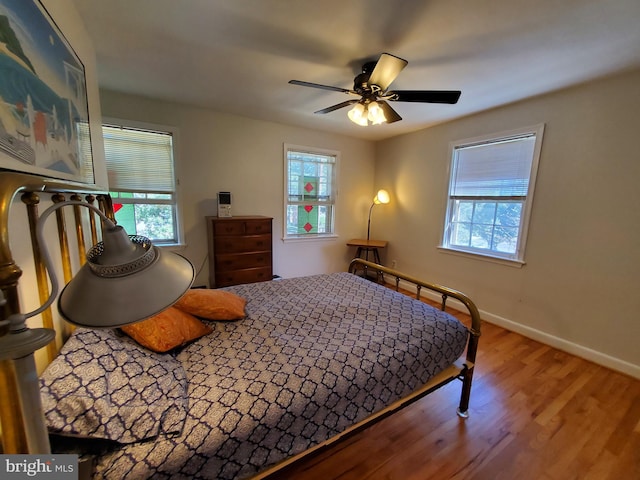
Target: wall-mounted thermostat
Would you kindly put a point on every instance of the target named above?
(224, 204)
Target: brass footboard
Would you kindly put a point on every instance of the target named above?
(465, 373)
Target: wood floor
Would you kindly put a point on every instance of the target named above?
(536, 414)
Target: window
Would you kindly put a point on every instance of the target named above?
(310, 192)
(142, 184)
(490, 193)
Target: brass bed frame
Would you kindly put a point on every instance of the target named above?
(32, 189)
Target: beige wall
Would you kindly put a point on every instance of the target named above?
(220, 152)
(579, 287)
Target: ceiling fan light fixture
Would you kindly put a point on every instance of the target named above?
(375, 113)
(372, 86)
(358, 115)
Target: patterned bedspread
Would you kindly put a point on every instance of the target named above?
(314, 356)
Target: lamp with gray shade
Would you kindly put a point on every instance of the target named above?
(125, 280)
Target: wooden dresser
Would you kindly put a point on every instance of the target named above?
(240, 250)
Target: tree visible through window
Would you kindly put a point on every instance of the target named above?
(140, 165)
(490, 193)
(310, 192)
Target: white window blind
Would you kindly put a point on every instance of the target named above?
(498, 169)
(139, 160)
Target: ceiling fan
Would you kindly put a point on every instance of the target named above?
(372, 87)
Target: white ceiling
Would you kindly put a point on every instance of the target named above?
(237, 56)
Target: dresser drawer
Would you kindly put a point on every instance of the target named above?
(249, 243)
(249, 275)
(256, 227)
(238, 261)
(242, 227)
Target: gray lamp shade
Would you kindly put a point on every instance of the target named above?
(125, 279)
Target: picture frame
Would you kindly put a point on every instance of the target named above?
(44, 110)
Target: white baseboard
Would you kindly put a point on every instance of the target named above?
(578, 350)
(581, 351)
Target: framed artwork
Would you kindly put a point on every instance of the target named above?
(44, 114)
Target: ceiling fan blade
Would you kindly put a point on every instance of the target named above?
(336, 107)
(427, 96)
(389, 113)
(317, 85)
(386, 70)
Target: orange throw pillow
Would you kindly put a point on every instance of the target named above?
(212, 304)
(169, 329)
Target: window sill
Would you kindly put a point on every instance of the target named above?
(483, 257)
(170, 245)
(310, 238)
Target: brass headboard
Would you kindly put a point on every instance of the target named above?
(34, 191)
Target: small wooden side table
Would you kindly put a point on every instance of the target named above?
(366, 246)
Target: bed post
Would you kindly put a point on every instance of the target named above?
(467, 375)
(14, 438)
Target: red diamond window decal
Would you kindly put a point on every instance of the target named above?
(116, 207)
(308, 208)
(308, 187)
(308, 227)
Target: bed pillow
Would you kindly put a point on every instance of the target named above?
(212, 304)
(103, 385)
(169, 329)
